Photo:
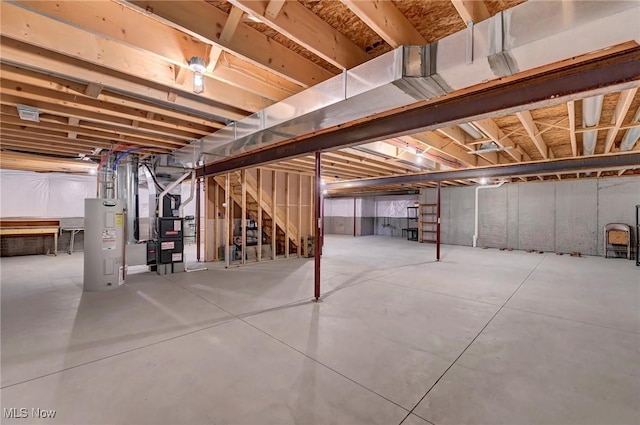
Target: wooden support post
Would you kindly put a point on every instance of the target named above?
(286, 215)
(216, 220)
(243, 215)
(438, 223)
(210, 206)
(198, 189)
(274, 210)
(312, 195)
(299, 240)
(259, 200)
(317, 215)
(354, 216)
(228, 220)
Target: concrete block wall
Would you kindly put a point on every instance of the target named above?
(564, 216)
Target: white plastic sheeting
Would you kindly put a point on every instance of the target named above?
(394, 206)
(30, 194)
(382, 206)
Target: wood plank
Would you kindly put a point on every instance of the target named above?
(274, 213)
(526, 119)
(301, 25)
(243, 215)
(299, 226)
(259, 200)
(228, 219)
(387, 21)
(29, 27)
(491, 129)
(233, 20)
(42, 60)
(571, 111)
(287, 216)
(622, 107)
(471, 11)
(206, 21)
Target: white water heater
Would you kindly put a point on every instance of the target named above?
(104, 241)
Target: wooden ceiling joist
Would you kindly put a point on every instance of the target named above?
(128, 26)
(301, 25)
(21, 161)
(491, 129)
(27, 56)
(206, 21)
(387, 21)
(622, 107)
(20, 76)
(526, 119)
(471, 11)
(27, 26)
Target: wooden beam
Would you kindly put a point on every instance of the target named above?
(571, 111)
(206, 21)
(228, 220)
(233, 20)
(622, 107)
(462, 138)
(491, 129)
(259, 200)
(91, 108)
(19, 161)
(181, 73)
(42, 60)
(216, 222)
(471, 11)
(61, 85)
(287, 214)
(387, 21)
(243, 214)
(128, 26)
(301, 25)
(441, 144)
(273, 8)
(29, 27)
(532, 130)
(274, 213)
(47, 127)
(299, 226)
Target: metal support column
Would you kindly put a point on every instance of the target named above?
(354, 216)
(318, 216)
(438, 223)
(198, 188)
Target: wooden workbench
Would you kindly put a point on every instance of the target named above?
(31, 227)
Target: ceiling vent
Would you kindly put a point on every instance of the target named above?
(28, 113)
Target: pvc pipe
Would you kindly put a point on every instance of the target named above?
(475, 231)
(169, 189)
(191, 193)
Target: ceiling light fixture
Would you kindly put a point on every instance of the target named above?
(483, 181)
(198, 66)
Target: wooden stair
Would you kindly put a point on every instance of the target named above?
(253, 209)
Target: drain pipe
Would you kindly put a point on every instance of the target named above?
(475, 231)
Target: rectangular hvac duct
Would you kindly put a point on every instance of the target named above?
(528, 36)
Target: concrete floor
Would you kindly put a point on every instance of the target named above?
(483, 337)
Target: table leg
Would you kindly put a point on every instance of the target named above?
(73, 236)
(55, 244)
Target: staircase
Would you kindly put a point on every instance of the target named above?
(253, 209)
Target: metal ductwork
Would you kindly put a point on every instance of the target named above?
(528, 36)
(591, 110)
(632, 135)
